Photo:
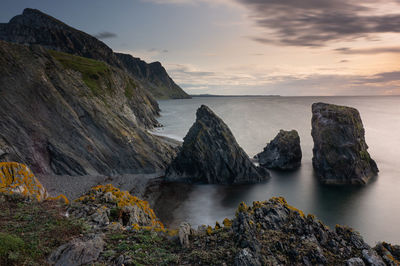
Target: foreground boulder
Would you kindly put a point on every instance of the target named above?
(105, 206)
(283, 152)
(340, 151)
(17, 178)
(210, 154)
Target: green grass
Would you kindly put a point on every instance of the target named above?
(130, 89)
(144, 247)
(95, 74)
(30, 231)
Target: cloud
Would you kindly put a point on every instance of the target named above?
(247, 80)
(316, 22)
(373, 50)
(105, 35)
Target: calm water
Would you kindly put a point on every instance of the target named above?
(374, 210)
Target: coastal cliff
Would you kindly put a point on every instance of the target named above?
(36, 27)
(70, 115)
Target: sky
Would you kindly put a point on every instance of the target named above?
(246, 47)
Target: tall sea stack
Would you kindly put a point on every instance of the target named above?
(340, 151)
(210, 154)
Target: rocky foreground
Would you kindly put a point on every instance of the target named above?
(106, 226)
(340, 151)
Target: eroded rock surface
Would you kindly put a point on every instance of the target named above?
(210, 154)
(283, 152)
(68, 115)
(340, 151)
(107, 206)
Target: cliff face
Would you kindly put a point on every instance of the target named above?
(160, 84)
(64, 114)
(35, 27)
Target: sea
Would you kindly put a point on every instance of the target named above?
(373, 209)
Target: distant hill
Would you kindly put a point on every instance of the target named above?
(36, 27)
(215, 95)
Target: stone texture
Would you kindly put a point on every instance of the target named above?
(68, 115)
(185, 230)
(340, 151)
(210, 154)
(105, 206)
(78, 252)
(35, 27)
(283, 152)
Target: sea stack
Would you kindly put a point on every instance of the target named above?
(340, 151)
(283, 152)
(210, 154)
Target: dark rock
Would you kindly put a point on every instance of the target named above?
(245, 257)
(154, 74)
(35, 27)
(283, 152)
(78, 252)
(340, 151)
(66, 118)
(372, 258)
(210, 154)
(355, 262)
(389, 253)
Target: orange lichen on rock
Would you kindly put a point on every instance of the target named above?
(61, 198)
(122, 199)
(17, 178)
(281, 200)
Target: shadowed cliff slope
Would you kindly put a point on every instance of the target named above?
(35, 27)
(64, 114)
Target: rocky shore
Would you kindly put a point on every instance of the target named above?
(107, 226)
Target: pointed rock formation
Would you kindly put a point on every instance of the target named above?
(283, 152)
(340, 151)
(210, 154)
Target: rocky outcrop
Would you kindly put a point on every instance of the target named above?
(283, 152)
(159, 83)
(106, 206)
(340, 151)
(16, 178)
(275, 233)
(210, 154)
(69, 115)
(35, 27)
(78, 252)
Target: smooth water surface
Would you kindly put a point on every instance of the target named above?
(374, 210)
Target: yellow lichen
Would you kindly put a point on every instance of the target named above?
(123, 199)
(282, 201)
(17, 178)
(60, 197)
(209, 230)
(227, 223)
(217, 226)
